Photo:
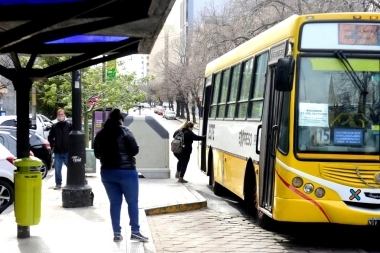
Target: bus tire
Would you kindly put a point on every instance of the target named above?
(264, 221)
(210, 171)
(250, 196)
(216, 187)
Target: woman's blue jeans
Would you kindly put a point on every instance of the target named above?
(118, 183)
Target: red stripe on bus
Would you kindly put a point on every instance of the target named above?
(292, 188)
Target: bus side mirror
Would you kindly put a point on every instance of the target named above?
(283, 81)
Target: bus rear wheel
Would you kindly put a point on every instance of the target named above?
(216, 187)
(250, 196)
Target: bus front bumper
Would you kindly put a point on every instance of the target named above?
(323, 211)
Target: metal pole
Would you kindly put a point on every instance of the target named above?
(22, 87)
(76, 193)
(104, 80)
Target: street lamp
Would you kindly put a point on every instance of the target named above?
(76, 192)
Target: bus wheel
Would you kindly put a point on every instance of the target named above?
(263, 220)
(250, 197)
(250, 200)
(217, 188)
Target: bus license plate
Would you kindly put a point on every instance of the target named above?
(374, 222)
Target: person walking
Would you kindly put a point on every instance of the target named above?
(59, 141)
(116, 147)
(184, 156)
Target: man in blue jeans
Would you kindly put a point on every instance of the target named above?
(116, 147)
(59, 141)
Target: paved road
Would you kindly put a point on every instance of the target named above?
(224, 227)
(207, 230)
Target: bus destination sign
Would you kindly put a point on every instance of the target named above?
(358, 34)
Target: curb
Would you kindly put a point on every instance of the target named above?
(201, 203)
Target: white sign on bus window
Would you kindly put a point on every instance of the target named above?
(314, 115)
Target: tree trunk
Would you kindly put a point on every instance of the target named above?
(187, 112)
(193, 113)
(178, 110)
(182, 109)
(86, 132)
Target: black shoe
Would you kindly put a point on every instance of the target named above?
(117, 238)
(57, 187)
(181, 180)
(139, 237)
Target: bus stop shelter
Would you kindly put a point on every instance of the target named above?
(82, 29)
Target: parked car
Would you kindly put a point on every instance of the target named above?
(160, 111)
(6, 178)
(158, 107)
(169, 114)
(38, 145)
(42, 126)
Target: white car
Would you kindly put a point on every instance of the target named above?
(43, 124)
(6, 178)
(169, 114)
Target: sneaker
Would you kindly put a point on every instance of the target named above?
(181, 180)
(139, 237)
(57, 187)
(117, 238)
(177, 174)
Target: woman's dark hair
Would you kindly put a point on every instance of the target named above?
(115, 115)
(114, 118)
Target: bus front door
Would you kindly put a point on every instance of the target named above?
(268, 139)
(204, 127)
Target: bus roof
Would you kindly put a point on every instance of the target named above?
(286, 29)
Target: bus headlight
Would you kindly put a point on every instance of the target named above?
(297, 182)
(308, 188)
(319, 192)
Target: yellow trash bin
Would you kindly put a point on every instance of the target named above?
(28, 192)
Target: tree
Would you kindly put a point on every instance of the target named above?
(55, 92)
(120, 93)
(222, 28)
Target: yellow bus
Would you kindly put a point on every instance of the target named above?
(292, 120)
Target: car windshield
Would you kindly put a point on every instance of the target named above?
(338, 105)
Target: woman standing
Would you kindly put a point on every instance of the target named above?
(184, 157)
(116, 147)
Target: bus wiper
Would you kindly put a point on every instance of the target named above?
(355, 79)
(351, 72)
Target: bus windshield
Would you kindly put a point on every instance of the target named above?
(338, 105)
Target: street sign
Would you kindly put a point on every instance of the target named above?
(111, 70)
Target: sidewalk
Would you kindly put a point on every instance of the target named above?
(88, 229)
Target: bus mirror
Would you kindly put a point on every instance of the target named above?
(284, 74)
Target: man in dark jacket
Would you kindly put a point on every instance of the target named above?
(116, 147)
(59, 142)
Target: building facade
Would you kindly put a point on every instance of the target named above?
(138, 63)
